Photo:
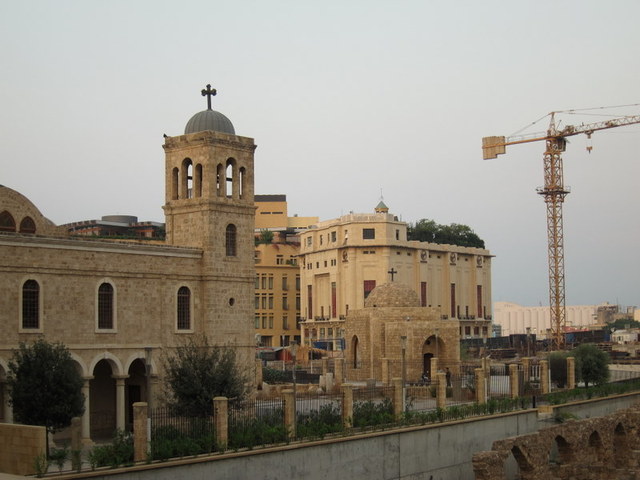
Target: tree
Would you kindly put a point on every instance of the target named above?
(45, 387)
(196, 372)
(265, 237)
(592, 364)
(558, 368)
(455, 234)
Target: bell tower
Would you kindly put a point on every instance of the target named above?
(209, 205)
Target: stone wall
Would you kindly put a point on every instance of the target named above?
(19, 446)
(594, 448)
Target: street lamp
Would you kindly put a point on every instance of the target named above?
(403, 343)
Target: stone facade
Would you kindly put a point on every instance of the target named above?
(591, 449)
(111, 302)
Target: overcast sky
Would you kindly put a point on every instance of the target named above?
(344, 99)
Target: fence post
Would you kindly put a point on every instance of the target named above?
(571, 373)
(544, 376)
(221, 421)
(441, 391)
(347, 405)
(386, 377)
(338, 367)
(140, 445)
(514, 381)
(398, 404)
(289, 401)
(481, 391)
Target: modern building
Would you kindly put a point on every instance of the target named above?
(122, 226)
(344, 259)
(119, 304)
(277, 283)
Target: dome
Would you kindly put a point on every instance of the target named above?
(209, 120)
(392, 295)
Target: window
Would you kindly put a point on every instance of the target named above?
(230, 239)
(297, 283)
(369, 285)
(256, 302)
(309, 241)
(270, 321)
(27, 225)
(285, 303)
(7, 223)
(368, 233)
(31, 304)
(105, 306)
(297, 303)
(453, 300)
(256, 321)
(397, 234)
(333, 236)
(285, 322)
(423, 294)
(467, 330)
(257, 281)
(270, 282)
(279, 259)
(271, 301)
(184, 308)
(285, 283)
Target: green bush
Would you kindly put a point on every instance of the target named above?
(318, 423)
(251, 432)
(369, 413)
(170, 442)
(271, 375)
(118, 452)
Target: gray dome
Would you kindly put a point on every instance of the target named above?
(209, 120)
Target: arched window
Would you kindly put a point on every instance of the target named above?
(220, 182)
(354, 351)
(230, 240)
(105, 306)
(197, 181)
(242, 180)
(186, 179)
(30, 304)
(175, 174)
(230, 177)
(7, 223)
(184, 308)
(27, 225)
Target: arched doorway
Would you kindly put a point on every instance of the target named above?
(431, 348)
(136, 389)
(102, 390)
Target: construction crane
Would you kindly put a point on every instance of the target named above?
(554, 192)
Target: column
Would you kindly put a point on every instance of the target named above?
(544, 376)
(289, 412)
(514, 384)
(339, 370)
(398, 397)
(120, 404)
(86, 416)
(441, 392)
(526, 366)
(571, 373)
(347, 405)
(140, 444)
(221, 419)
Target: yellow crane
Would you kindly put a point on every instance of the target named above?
(554, 193)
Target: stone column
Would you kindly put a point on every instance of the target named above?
(571, 373)
(386, 376)
(289, 412)
(434, 367)
(544, 376)
(140, 444)
(398, 397)
(481, 391)
(6, 408)
(339, 370)
(514, 384)
(120, 404)
(347, 405)
(86, 416)
(221, 419)
(441, 392)
(526, 366)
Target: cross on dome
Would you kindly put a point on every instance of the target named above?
(208, 92)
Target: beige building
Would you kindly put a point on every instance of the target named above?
(277, 283)
(111, 302)
(343, 260)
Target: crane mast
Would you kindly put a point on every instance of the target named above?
(554, 193)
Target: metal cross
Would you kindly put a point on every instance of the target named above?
(392, 272)
(209, 92)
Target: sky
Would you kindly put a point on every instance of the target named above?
(347, 101)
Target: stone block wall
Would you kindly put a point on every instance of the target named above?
(19, 446)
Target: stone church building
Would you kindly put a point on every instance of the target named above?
(114, 302)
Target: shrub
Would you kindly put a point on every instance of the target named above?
(369, 413)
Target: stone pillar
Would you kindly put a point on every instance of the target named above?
(86, 416)
(386, 374)
(514, 384)
(289, 412)
(221, 420)
(526, 366)
(339, 371)
(140, 443)
(325, 366)
(347, 405)
(120, 408)
(6, 408)
(544, 376)
(481, 390)
(571, 373)
(258, 373)
(398, 397)
(434, 367)
(441, 392)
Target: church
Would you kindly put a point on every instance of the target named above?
(120, 305)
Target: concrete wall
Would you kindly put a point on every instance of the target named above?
(436, 451)
(19, 446)
(598, 407)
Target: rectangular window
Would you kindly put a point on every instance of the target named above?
(270, 321)
(279, 260)
(264, 282)
(453, 300)
(270, 282)
(309, 241)
(397, 234)
(257, 281)
(368, 233)
(334, 310)
(257, 302)
(320, 239)
(423, 294)
(270, 301)
(322, 333)
(310, 300)
(264, 302)
(479, 300)
(297, 283)
(333, 236)
(476, 330)
(285, 322)
(369, 285)
(467, 330)
(285, 303)
(329, 332)
(264, 321)
(285, 283)
(297, 303)
(256, 321)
